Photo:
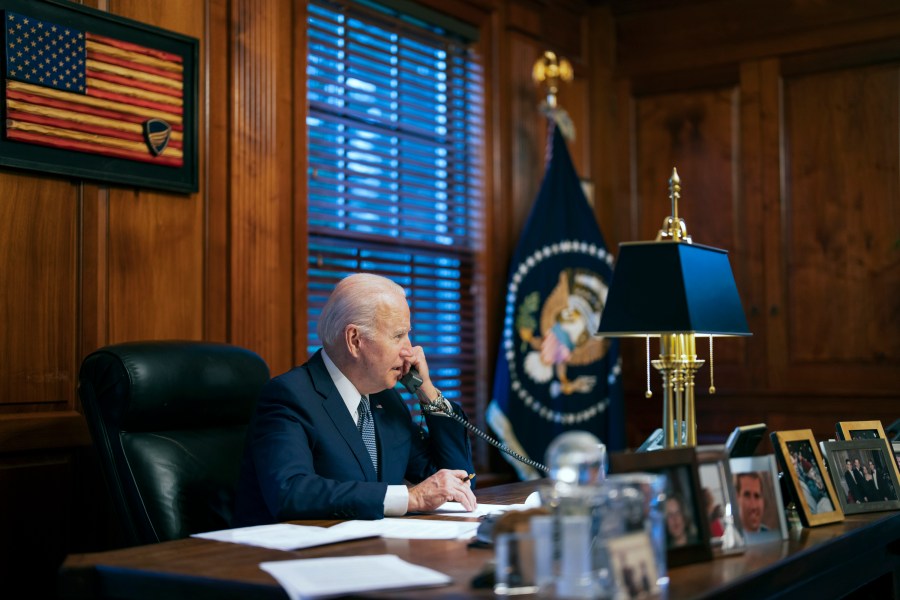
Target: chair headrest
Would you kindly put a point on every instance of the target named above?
(145, 386)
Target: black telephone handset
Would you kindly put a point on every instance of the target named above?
(412, 381)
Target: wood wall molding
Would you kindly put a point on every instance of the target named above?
(43, 431)
(216, 101)
(662, 37)
(260, 177)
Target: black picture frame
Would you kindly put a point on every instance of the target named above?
(744, 439)
(682, 488)
(863, 475)
(804, 470)
(137, 160)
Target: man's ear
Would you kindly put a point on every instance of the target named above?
(352, 339)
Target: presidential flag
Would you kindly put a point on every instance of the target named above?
(553, 374)
(89, 93)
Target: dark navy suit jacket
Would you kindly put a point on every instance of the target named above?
(305, 459)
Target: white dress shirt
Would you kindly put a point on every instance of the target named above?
(396, 500)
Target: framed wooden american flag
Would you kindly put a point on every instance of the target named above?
(95, 96)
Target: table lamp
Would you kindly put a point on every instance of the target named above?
(676, 290)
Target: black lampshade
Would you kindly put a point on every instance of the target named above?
(672, 287)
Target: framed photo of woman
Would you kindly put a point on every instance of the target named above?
(687, 528)
(803, 467)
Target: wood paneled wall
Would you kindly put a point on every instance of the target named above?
(781, 117)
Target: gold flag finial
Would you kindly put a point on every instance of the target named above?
(551, 70)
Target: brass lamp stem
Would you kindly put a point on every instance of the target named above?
(678, 365)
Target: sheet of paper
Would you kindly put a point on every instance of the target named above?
(284, 536)
(455, 509)
(305, 579)
(421, 529)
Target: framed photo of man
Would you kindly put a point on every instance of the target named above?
(759, 505)
(803, 467)
(863, 474)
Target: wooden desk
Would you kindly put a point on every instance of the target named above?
(824, 562)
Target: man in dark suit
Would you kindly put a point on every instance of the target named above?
(854, 489)
(858, 476)
(306, 453)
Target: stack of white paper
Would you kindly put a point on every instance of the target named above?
(317, 577)
(284, 536)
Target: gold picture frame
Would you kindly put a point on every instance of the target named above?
(804, 469)
(859, 430)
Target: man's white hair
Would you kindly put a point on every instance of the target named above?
(356, 299)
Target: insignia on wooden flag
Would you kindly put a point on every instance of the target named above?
(156, 133)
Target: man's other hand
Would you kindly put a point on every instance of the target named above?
(444, 486)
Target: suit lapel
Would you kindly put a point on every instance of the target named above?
(336, 409)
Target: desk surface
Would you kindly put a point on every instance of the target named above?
(828, 561)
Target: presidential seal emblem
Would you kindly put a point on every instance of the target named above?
(554, 356)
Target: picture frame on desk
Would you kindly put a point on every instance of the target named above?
(895, 446)
(804, 470)
(864, 475)
(760, 506)
(859, 430)
(863, 430)
(726, 534)
(687, 528)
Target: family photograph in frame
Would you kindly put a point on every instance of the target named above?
(687, 528)
(719, 499)
(633, 565)
(864, 475)
(802, 465)
(760, 506)
(863, 430)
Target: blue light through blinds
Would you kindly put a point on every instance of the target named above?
(395, 130)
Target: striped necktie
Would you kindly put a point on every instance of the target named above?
(367, 428)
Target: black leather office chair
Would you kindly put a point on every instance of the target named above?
(168, 419)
